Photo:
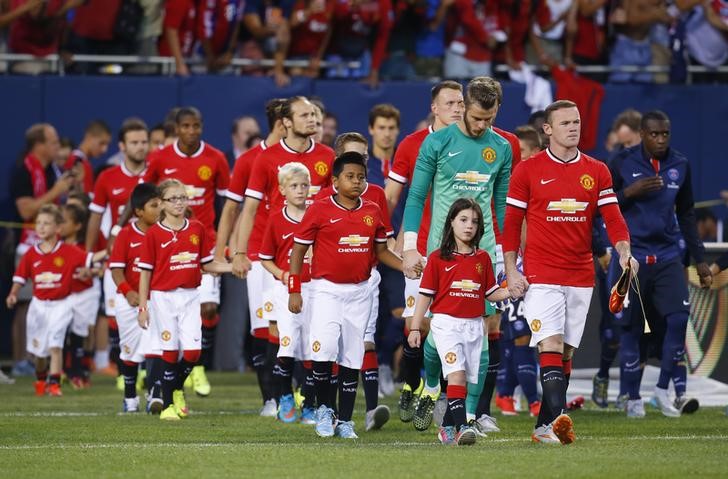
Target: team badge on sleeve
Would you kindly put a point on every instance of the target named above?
(587, 182)
(489, 155)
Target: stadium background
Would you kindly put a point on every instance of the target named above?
(698, 115)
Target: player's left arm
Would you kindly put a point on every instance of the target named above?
(386, 256)
(500, 190)
(685, 212)
(608, 206)
(222, 182)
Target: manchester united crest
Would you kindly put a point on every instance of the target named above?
(321, 168)
(535, 325)
(368, 220)
(479, 268)
(410, 301)
(587, 182)
(166, 335)
(259, 313)
(489, 155)
(58, 261)
(316, 346)
(268, 306)
(285, 341)
(451, 357)
(204, 173)
(194, 239)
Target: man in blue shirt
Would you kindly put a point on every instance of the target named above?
(653, 185)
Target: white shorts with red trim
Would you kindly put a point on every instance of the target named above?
(46, 325)
(85, 309)
(209, 289)
(175, 320)
(258, 282)
(411, 291)
(134, 342)
(373, 283)
(459, 343)
(109, 293)
(293, 329)
(552, 310)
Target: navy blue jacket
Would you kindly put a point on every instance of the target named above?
(656, 220)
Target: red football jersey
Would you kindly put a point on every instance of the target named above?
(217, 19)
(175, 257)
(278, 243)
(263, 183)
(77, 284)
(77, 156)
(126, 252)
(373, 193)
(559, 200)
(113, 190)
(308, 36)
(182, 16)
(516, 158)
(51, 273)
(403, 168)
(460, 285)
(343, 240)
(236, 192)
(202, 173)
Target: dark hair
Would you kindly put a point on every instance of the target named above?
(253, 140)
(654, 115)
(79, 215)
(383, 110)
(273, 111)
(528, 134)
(702, 214)
(82, 197)
(330, 115)
(97, 127)
(131, 124)
(157, 127)
(445, 85)
(287, 107)
(142, 193)
(66, 142)
(630, 117)
(538, 115)
(448, 246)
(348, 158)
(555, 106)
(344, 138)
(186, 111)
(318, 103)
(170, 129)
(483, 91)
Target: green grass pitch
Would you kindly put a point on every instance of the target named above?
(83, 435)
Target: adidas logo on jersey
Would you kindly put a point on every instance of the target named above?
(472, 180)
(466, 288)
(567, 206)
(354, 244)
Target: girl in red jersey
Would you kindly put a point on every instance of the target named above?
(174, 251)
(51, 266)
(456, 282)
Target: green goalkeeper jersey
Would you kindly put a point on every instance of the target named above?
(452, 165)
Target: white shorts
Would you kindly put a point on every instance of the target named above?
(339, 316)
(552, 309)
(134, 341)
(270, 312)
(293, 329)
(209, 289)
(109, 293)
(46, 325)
(175, 320)
(459, 343)
(85, 308)
(258, 281)
(411, 291)
(373, 283)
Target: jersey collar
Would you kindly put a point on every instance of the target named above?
(336, 203)
(184, 227)
(291, 150)
(128, 172)
(193, 155)
(55, 248)
(136, 228)
(563, 162)
(287, 217)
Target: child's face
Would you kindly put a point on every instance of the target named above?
(68, 228)
(174, 201)
(465, 225)
(150, 213)
(351, 181)
(296, 190)
(46, 226)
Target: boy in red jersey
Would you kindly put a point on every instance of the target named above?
(174, 252)
(123, 263)
(347, 234)
(292, 329)
(558, 191)
(51, 266)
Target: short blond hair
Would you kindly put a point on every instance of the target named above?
(51, 210)
(289, 170)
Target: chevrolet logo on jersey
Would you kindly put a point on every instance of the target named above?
(195, 195)
(472, 177)
(354, 244)
(46, 278)
(568, 206)
(466, 288)
(184, 257)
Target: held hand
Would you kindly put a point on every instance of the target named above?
(633, 263)
(143, 319)
(412, 264)
(295, 303)
(132, 297)
(284, 277)
(241, 265)
(414, 339)
(11, 301)
(517, 284)
(705, 274)
(644, 186)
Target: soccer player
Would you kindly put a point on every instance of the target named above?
(94, 144)
(558, 192)
(204, 171)
(111, 194)
(255, 278)
(653, 184)
(124, 265)
(173, 253)
(468, 158)
(292, 329)
(50, 265)
(84, 298)
(347, 234)
(455, 284)
(447, 107)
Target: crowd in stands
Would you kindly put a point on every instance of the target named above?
(376, 39)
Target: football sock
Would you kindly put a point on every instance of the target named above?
(114, 350)
(334, 385)
(155, 371)
(456, 404)
(673, 346)
(411, 365)
(525, 362)
(493, 365)
(169, 382)
(630, 363)
(553, 382)
(271, 351)
(370, 379)
(283, 374)
(86, 363)
(544, 414)
(77, 353)
(41, 375)
(609, 353)
(348, 380)
(322, 382)
(433, 367)
(258, 351)
(129, 371)
(54, 379)
(475, 391)
(308, 388)
(184, 369)
(566, 366)
(209, 326)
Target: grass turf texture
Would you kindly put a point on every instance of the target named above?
(83, 434)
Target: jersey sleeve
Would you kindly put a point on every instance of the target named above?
(147, 254)
(223, 176)
(381, 233)
(490, 285)
(101, 197)
(208, 246)
(22, 272)
(239, 180)
(258, 179)
(500, 190)
(386, 220)
(206, 19)
(517, 204)
(609, 207)
(117, 259)
(309, 227)
(425, 167)
(152, 173)
(400, 171)
(429, 282)
(269, 247)
(174, 13)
